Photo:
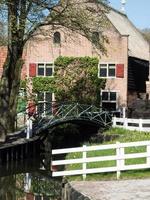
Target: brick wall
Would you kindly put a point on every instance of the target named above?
(42, 49)
(72, 44)
(3, 54)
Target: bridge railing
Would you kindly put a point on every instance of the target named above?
(119, 158)
(58, 111)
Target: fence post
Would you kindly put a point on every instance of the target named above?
(140, 124)
(125, 123)
(124, 112)
(84, 162)
(148, 155)
(120, 158)
(114, 121)
(29, 128)
(27, 182)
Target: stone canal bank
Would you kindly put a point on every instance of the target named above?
(108, 190)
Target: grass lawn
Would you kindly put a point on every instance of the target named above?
(120, 135)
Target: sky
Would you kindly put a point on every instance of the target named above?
(138, 11)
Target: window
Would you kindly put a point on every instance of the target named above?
(38, 197)
(107, 70)
(44, 102)
(57, 38)
(111, 70)
(46, 198)
(95, 37)
(109, 100)
(45, 69)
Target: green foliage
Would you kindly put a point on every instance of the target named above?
(22, 99)
(63, 61)
(19, 185)
(23, 83)
(22, 103)
(76, 79)
(23, 19)
(127, 135)
(43, 84)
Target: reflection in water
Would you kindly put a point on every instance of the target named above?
(7, 188)
(35, 184)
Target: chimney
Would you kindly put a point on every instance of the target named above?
(123, 3)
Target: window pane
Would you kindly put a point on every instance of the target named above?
(49, 65)
(48, 107)
(103, 72)
(41, 65)
(104, 96)
(111, 72)
(103, 66)
(40, 108)
(38, 197)
(109, 106)
(111, 65)
(95, 37)
(46, 198)
(112, 96)
(41, 70)
(57, 38)
(48, 96)
(41, 96)
(49, 71)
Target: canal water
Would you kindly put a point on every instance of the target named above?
(31, 179)
(28, 180)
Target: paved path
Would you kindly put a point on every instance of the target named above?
(115, 190)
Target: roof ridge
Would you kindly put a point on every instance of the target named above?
(119, 12)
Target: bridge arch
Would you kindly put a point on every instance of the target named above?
(74, 113)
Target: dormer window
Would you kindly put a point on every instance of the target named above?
(95, 37)
(57, 38)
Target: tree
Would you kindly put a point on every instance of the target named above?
(24, 18)
(3, 37)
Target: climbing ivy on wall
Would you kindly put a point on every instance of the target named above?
(75, 79)
(43, 84)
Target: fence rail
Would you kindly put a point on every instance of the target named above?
(119, 157)
(132, 124)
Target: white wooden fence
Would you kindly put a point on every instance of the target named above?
(120, 157)
(132, 124)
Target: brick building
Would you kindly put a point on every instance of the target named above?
(125, 67)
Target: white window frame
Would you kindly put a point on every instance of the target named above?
(44, 101)
(107, 69)
(110, 101)
(45, 63)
